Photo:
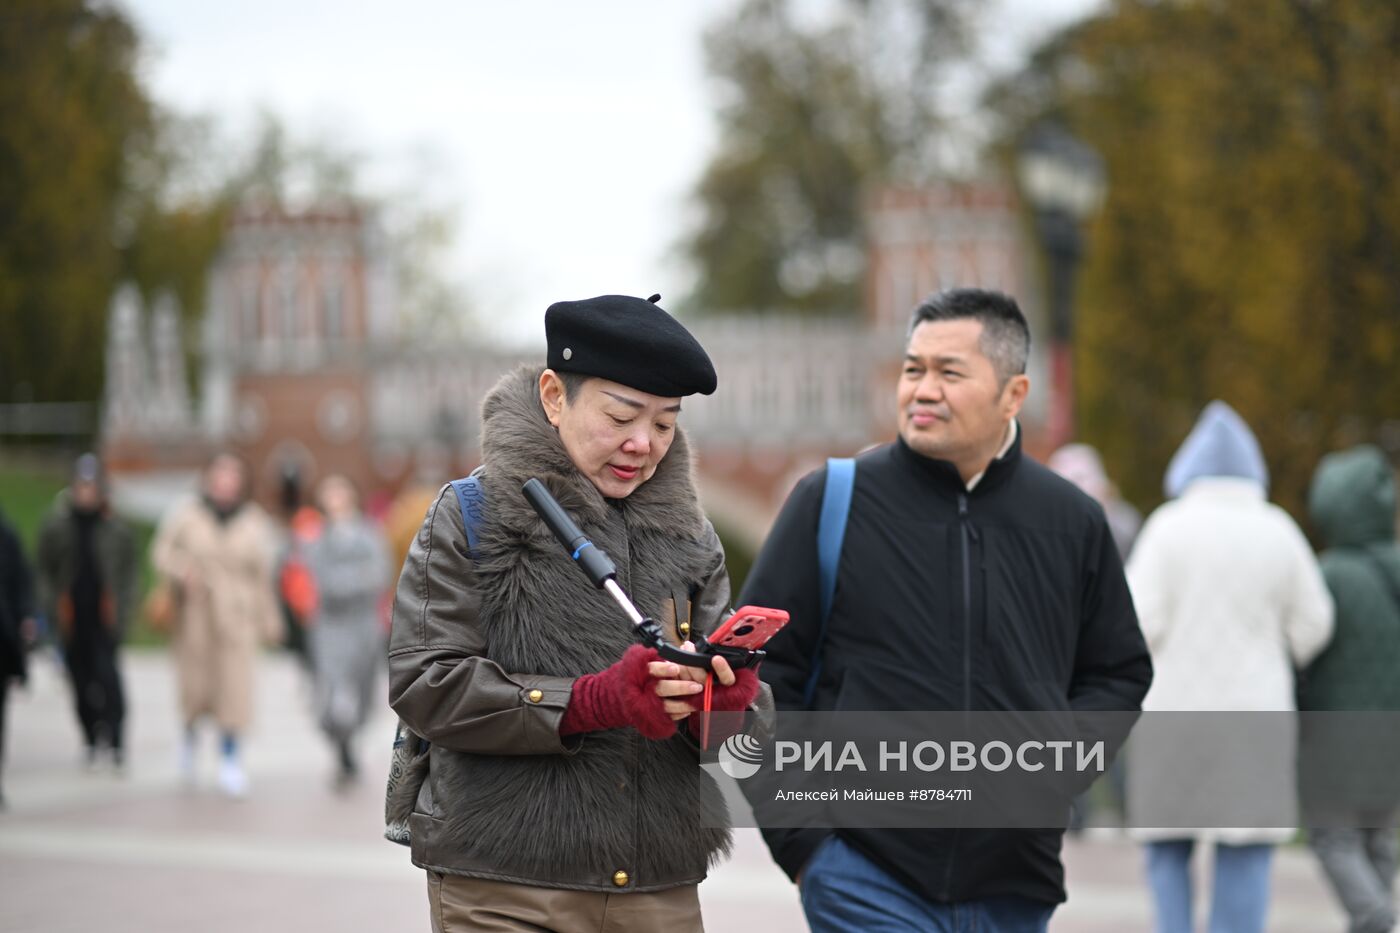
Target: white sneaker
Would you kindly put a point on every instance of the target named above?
(187, 762)
(232, 781)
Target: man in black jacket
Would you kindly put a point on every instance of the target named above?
(971, 578)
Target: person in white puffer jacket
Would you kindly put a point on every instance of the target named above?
(1231, 600)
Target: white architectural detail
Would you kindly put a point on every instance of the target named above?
(170, 404)
(252, 418)
(125, 395)
(230, 316)
(146, 398)
(338, 417)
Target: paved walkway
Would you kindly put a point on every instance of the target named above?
(139, 853)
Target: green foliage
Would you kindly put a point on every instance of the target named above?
(812, 113)
(25, 497)
(99, 186)
(172, 250)
(70, 111)
(184, 187)
(738, 559)
(140, 632)
(1249, 249)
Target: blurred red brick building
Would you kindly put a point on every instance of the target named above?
(305, 367)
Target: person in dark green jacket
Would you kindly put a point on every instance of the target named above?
(1352, 501)
(86, 571)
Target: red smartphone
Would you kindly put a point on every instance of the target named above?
(749, 627)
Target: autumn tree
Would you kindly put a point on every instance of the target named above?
(183, 187)
(98, 185)
(1249, 248)
(71, 112)
(814, 108)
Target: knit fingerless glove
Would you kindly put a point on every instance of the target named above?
(619, 696)
(734, 698)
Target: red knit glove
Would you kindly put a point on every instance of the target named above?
(734, 698)
(620, 696)
(727, 705)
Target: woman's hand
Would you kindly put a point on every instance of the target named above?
(677, 682)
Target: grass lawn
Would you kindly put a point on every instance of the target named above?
(26, 493)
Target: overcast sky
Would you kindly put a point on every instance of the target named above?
(563, 137)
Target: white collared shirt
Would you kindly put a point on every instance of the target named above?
(1011, 432)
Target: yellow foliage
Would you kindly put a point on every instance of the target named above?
(1249, 248)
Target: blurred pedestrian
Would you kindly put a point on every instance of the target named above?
(1230, 599)
(349, 568)
(217, 553)
(405, 517)
(1082, 466)
(87, 576)
(296, 590)
(16, 624)
(295, 593)
(1352, 502)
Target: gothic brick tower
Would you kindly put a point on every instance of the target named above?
(297, 302)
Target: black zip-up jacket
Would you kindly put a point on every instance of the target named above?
(1007, 597)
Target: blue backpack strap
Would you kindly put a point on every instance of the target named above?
(471, 497)
(831, 533)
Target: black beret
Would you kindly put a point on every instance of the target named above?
(630, 341)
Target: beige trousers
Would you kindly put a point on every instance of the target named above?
(468, 905)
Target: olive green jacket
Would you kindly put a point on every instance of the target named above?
(57, 563)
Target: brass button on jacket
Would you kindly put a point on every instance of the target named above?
(620, 879)
(536, 695)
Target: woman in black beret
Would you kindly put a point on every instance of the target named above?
(560, 793)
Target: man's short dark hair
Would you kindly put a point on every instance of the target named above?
(1006, 337)
(572, 383)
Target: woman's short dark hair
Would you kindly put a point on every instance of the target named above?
(572, 383)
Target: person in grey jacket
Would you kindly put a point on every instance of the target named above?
(350, 568)
(560, 794)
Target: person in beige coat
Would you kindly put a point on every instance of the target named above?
(216, 553)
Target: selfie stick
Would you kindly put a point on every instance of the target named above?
(602, 573)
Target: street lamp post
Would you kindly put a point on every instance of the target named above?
(1063, 179)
